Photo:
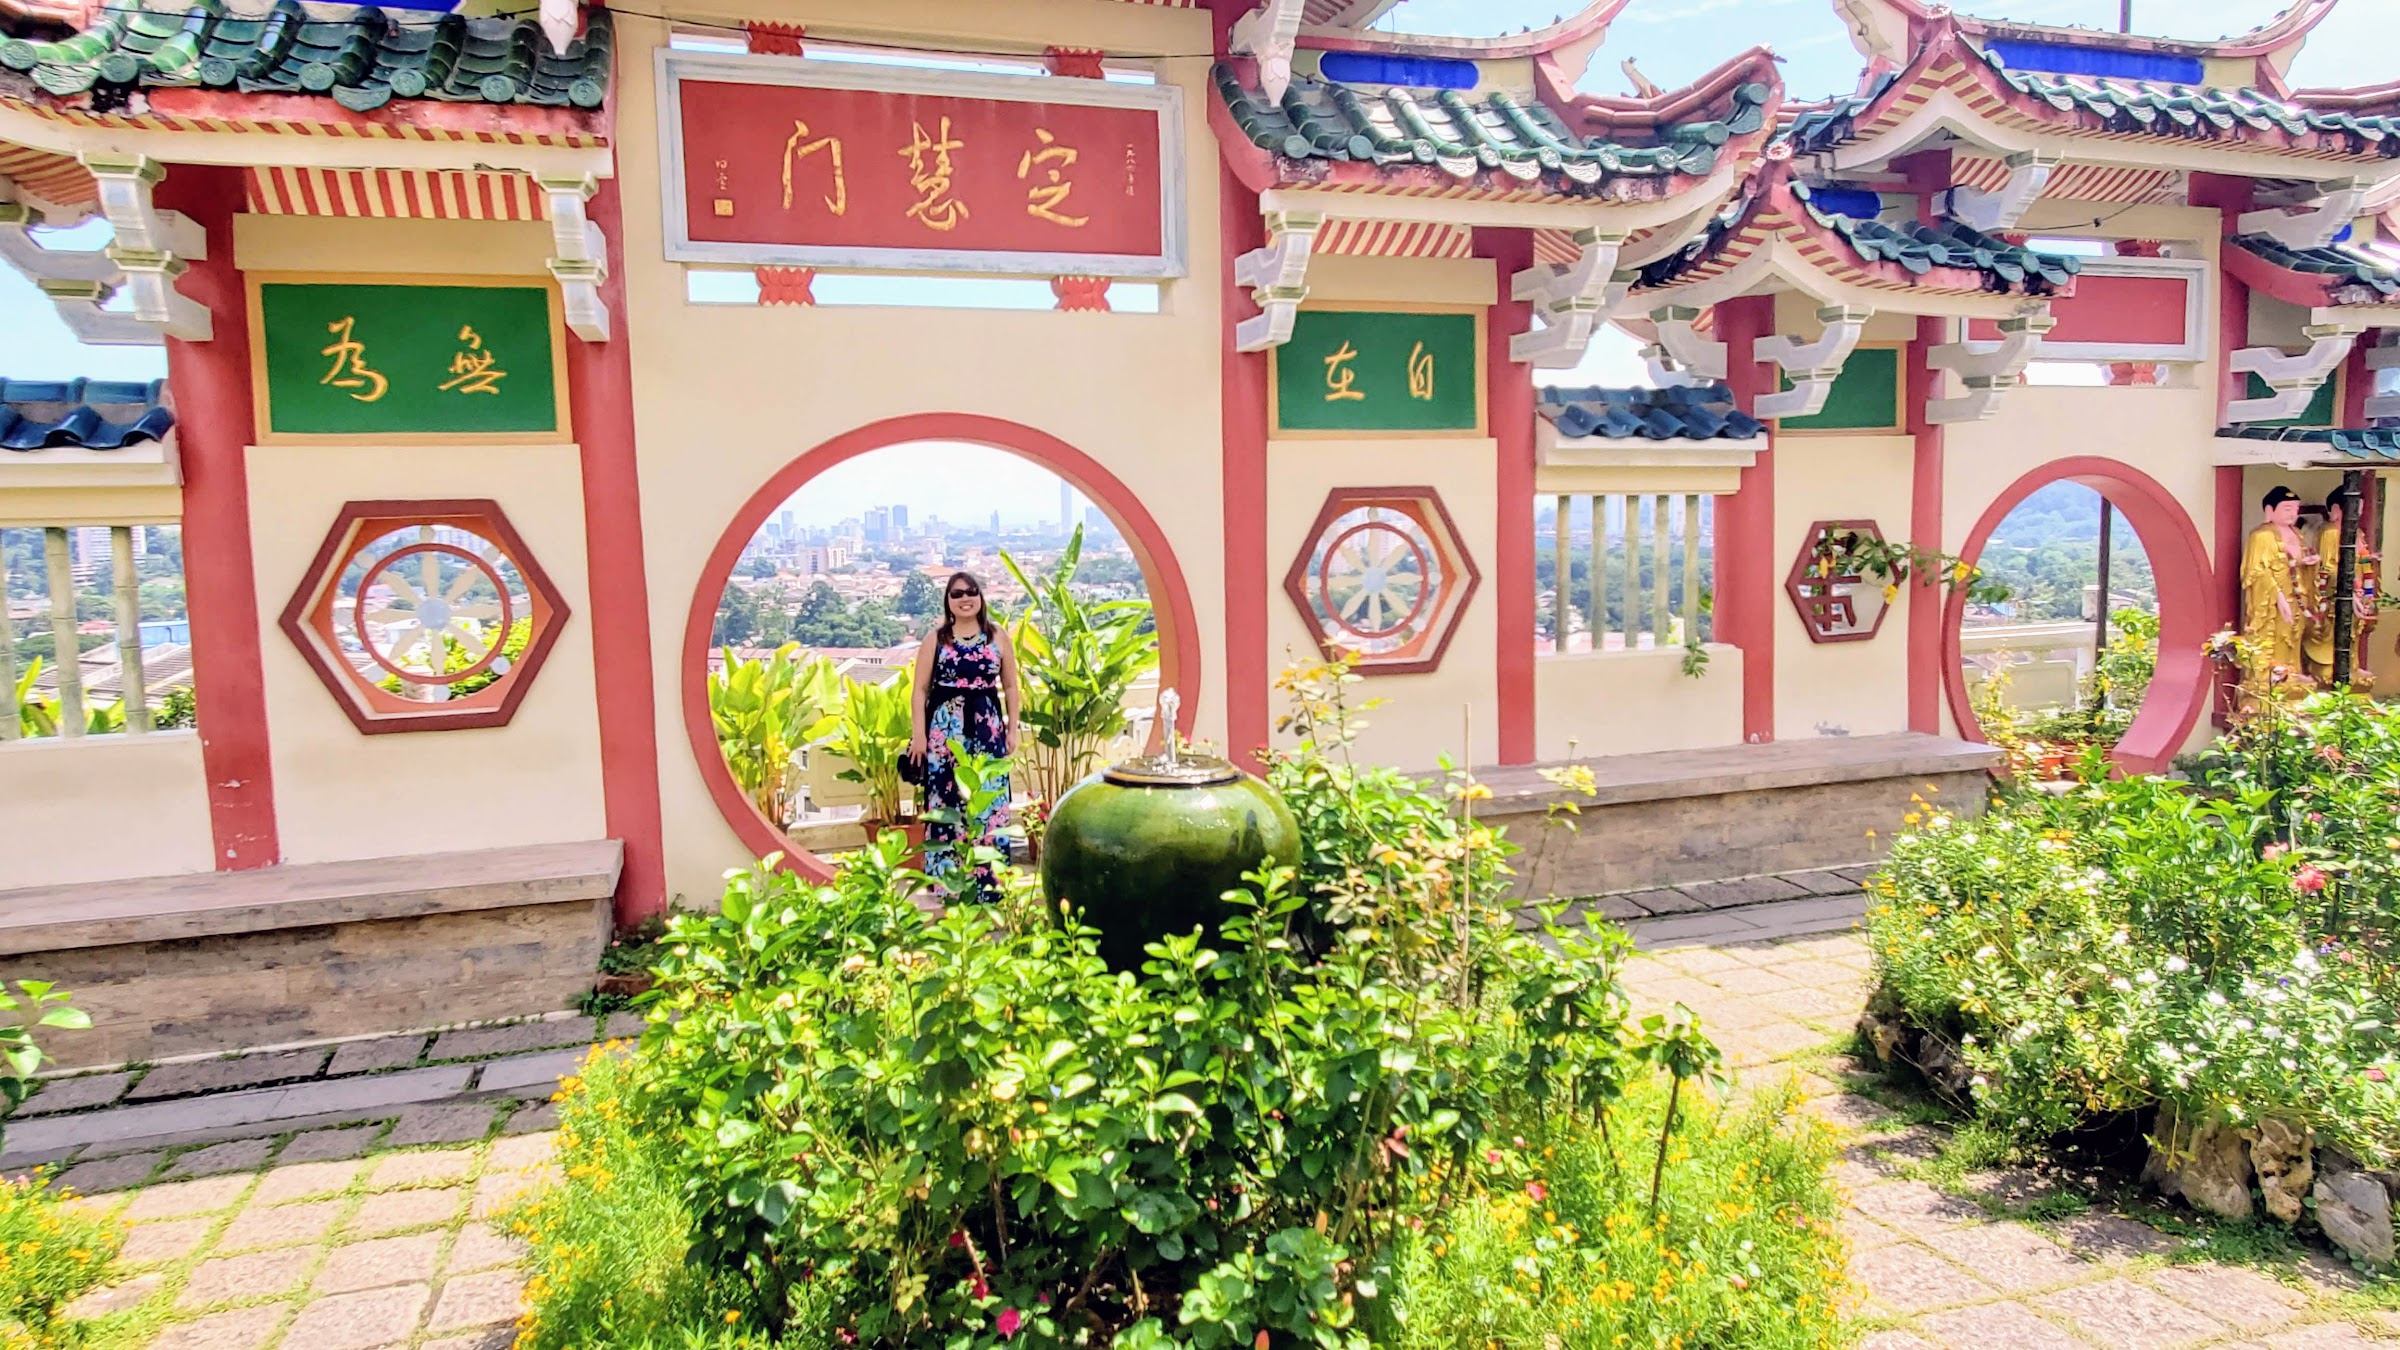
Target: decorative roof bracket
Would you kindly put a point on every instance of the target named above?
(2383, 403)
(1988, 369)
(148, 251)
(1568, 302)
(1811, 367)
(561, 20)
(2322, 216)
(1267, 33)
(1277, 276)
(2001, 208)
(1700, 358)
(2294, 379)
(579, 255)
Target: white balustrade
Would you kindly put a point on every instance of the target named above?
(1664, 612)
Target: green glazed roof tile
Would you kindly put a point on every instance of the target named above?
(1917, 248)
(2377, 445)
(2375, 279)
(2135, 106)
(362, 61)
(1465, 136)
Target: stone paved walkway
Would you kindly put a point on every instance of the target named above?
(375, 1235)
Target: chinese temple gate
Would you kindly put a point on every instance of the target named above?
(532, 298)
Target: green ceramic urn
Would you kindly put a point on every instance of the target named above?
(1150, 846)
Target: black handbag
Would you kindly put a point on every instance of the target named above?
(912, 769)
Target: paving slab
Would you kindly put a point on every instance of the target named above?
(2242, 1299)
(239, 1329)
(478, 1301)
(532, 1116)
(229, 1279)
(240, 1155)
(1905, 1278)
(255, 1107)
(156, 1244)
(490, 1338)
(108, 1174)
(2113, 1239)
(1743, 891)
(1824, 881)
(115, 1298)
(268, 1225)
(335, 1145)
(2122, 1314)
(2011, 1257)
(225, 1075)
(73, 1094)
(451, 1124)
(479, 1246)
(1997, 1326)
(541, 1070)
(624, 1026)
(379, 1262)
(445, 1167)
(1914, 1207)
(305, 1181)
(398, 1211)
(376, 1056)
(515, 1038)
(181, 1199)
(376, 1317)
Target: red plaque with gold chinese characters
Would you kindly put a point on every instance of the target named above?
(831, 165)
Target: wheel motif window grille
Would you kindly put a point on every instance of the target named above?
(1383, 578)
(425, 616)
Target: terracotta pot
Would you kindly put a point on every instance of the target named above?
(910, 828)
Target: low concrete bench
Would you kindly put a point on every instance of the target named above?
(1684, 816)
(211, 962)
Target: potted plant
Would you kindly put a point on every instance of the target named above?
(862, 744)
(1078, 662)
(764, 712)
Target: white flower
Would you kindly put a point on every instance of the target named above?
(2215, 999)
(2177, 965)
(1986, 952)
(2120, 984)
(2146, 977)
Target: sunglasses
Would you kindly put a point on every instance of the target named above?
(962, 595)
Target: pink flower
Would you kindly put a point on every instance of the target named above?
(2309, 879)
(1538, 1191)
(2274, 851)
(1492, 1156)
(982, 1290)
(2375, 1075)
(1010, 1320)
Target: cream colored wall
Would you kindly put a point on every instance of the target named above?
(1426, 715)
(1630, 703)
(1839, 688)
(725, 396)
(340, 794)
(103, 808)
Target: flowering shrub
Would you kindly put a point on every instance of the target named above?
(856, 1123)
(2223, 945)
(49, 1256)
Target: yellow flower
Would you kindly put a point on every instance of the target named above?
(1891, 592)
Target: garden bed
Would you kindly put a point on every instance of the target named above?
(1367, 1112)
(2214, 958)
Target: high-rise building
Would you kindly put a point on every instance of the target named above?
(1066, 506)
(900, 520)
(879, 524)
(92, 555)
(995, 522)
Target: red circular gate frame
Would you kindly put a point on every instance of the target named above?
(1178, 626)
(2180, 690)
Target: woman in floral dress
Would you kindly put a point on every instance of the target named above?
(966, 699)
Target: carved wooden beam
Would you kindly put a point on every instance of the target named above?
(1277, 276)
(579, 255)
(2002, 207)
(1568, 301)
(1812, 366)
(1988, 369)
(2293, 378)
(1267, 34)
(150, 247)
(2320, 217)
(1701, 357)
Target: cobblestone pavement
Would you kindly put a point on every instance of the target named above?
(377, 1235)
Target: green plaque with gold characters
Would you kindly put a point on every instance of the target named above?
(1366, 372)
(426, 359)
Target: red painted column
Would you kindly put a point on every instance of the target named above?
(1928, 174)
(210, 382)
(600, 399)
(1745, 531)
(1248, 677)
(1926, 612)
(1509, 400)
(2231, 197)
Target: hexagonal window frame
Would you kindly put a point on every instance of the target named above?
(1435, 540)
(1813, 593)
(308, 620)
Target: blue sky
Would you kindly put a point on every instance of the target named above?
(1674, 41)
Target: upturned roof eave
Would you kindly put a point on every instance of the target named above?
(1586, 27)
(1601, 115)
(2285, 30)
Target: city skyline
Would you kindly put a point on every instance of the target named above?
(962, 484)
